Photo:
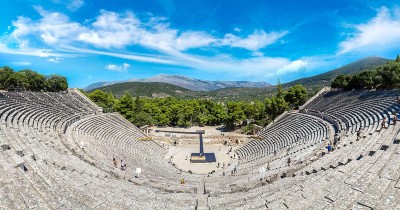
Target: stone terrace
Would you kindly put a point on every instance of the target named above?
(57, 150)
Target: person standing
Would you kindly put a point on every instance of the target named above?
(123, 165)
(115, 163)
(329, 148)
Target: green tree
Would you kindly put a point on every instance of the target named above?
(125, 106)
(275, 106)
(341, 81)
(17, 80)
(280, 92)
(102, 99)
(143, 118)
(36, 81)
(138, 105)
(390, 73)
(296, 95)
(56, 83)
(235, 115)
(5, 73)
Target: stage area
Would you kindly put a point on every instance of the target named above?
(180, 156)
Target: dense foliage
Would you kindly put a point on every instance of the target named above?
(30, 80)
(171, 111)
(385, 76)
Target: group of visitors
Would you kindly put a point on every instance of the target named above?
(123, 164)
(383, 123)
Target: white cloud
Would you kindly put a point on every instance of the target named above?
(28, 51)
(21, 63)
(255, 41)
(112, 34)
(122, 68)
(237, 29)
(292, 67)
(380, 33)
(125, 55)
(52, 28)
(72, 5)
(55, 60)
(112, 30)
(75, 5)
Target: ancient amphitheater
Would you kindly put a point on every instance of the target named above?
(57, 151)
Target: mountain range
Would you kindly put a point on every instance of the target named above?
(182, 87)
(185, 82)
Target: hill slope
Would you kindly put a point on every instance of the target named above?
(186, 82)
(325, 79)
(145, 89)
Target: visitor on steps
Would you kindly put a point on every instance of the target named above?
(383, 123)
(394, 118)
(123, 165)
(115, 163)
(358, 134)
(329, 148)
(335, 141)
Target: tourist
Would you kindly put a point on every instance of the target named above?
(329, 148)
(115, 163)
(358, 134)
(288, 162)
(123, 165)
(394, 118)
(335, 141)
(383, 123)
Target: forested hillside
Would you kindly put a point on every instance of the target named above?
(321, 80)
(385, 76)
(173, 111)
(146, 89)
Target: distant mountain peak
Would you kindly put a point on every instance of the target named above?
(186, 82)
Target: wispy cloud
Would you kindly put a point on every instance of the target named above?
(122, 68)
(255, 41)
(380, 33)
(72, 5)
(21, 63)
(55, 35)
(55, 60)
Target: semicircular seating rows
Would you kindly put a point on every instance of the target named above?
(57, 149)
(45, 165)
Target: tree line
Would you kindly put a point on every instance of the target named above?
(31, 80)
(385, 76)
(173, 111)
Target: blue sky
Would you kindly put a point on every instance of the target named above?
(255, 40)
